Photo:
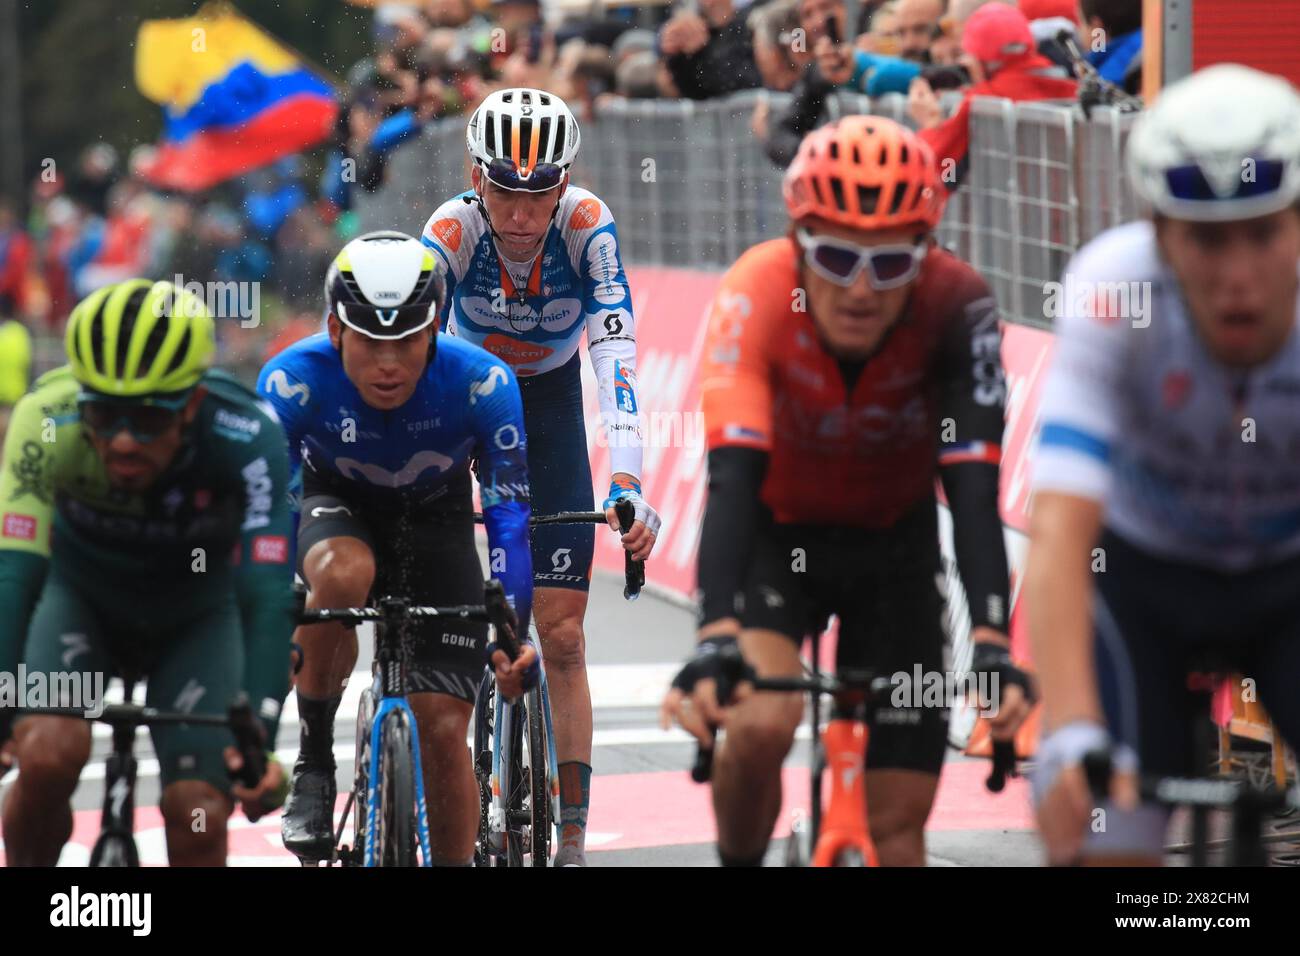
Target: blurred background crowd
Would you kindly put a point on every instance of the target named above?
(95, 209)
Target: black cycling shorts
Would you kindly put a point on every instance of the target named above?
(883, 587)
(426, 556)
(1156, 621)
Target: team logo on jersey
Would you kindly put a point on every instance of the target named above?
(486, 386)
(624, 388)
(22, 527)
(602, 262)
(515, 351)
(406, 475)
(270, 549)
(447, 232)
(585, 215)
(560, 560)
(1176, 387)
(278, 382)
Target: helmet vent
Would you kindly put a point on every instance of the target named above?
(561, 137)
(835, 149)
(421, 284)
(507, 124)
(902, 154)
(837, 189)
(868, 198)
(130, 313)
(182, 349)
(900, 193)
(545, 146)
(884, 155)
(544, 99)
(508, 97)
(152, 346)
(490, 134)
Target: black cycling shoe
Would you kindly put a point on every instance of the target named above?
(307, 827)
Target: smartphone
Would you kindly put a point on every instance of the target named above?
(833, 30)
(534, 49)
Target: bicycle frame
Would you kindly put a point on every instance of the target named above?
(502, 718)
(843, 825)
(385, 707)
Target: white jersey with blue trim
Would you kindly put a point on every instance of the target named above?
(1193, 460)
(532, 315)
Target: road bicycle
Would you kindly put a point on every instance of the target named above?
(838, 833)
(387, 800)
(115, 846)
(514, 744)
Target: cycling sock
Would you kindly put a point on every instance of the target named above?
(575, 797)
(740, 861)
(316, 729)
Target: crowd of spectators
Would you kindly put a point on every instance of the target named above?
(98, 220)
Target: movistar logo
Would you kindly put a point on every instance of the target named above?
(278, 382)
(386, 316)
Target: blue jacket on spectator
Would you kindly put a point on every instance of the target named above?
(875, 74)
(1117, 60)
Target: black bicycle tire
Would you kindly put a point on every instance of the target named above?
(396, 786)
(114, 851)
(360, 780)
(515, 788)
(483, 704)
(539, 780)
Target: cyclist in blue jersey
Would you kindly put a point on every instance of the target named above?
(385, 416)
(1165, 529)
(532, 262)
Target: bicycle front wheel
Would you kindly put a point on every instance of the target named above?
(539, 780)
(395, 827)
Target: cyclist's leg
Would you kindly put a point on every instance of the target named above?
(559, 475)
(198, 668)
(435, 561)
(890, 621)
(1141, 618)
(64, 638)
(1274, 662)
(761, 728)
(337, 562)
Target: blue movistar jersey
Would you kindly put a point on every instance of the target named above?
(466, 407)
(532, 315)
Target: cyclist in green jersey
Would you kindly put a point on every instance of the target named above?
(144, 530)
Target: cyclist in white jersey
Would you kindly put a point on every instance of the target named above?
(532, 263)
(1165, 528)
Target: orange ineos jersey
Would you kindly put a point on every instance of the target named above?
(932, 395)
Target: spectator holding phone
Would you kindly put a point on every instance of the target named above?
(836, 65)
(709, 53)
(1000, 54)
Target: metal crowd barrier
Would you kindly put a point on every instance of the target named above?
(691, 186)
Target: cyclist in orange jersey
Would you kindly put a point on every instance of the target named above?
(847, 366)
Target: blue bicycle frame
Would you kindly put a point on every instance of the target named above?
(502, 717)
(385, 709)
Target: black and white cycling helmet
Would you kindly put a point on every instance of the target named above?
(523, 140)
(386, 285)
(1221, 145)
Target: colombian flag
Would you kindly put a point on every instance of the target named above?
(233, 98)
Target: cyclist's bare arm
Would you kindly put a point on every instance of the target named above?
(1063, 531)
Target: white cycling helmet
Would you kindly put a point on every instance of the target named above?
(522, 139)
(385, 285)
(1221, 145)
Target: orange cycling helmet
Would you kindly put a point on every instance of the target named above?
(866, 172)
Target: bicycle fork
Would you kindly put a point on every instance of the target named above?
(844, 823)
(386, 708)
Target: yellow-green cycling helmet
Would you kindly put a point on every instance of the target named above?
(139, 338)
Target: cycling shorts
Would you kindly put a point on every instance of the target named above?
(559, 474)
(428, 556)
(882, 585)
(191, 662)
(1155, 622)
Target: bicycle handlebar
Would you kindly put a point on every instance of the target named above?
(239, 718)
(633, 571)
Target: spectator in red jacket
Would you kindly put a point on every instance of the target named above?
(16, 263)
(1000, 53)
